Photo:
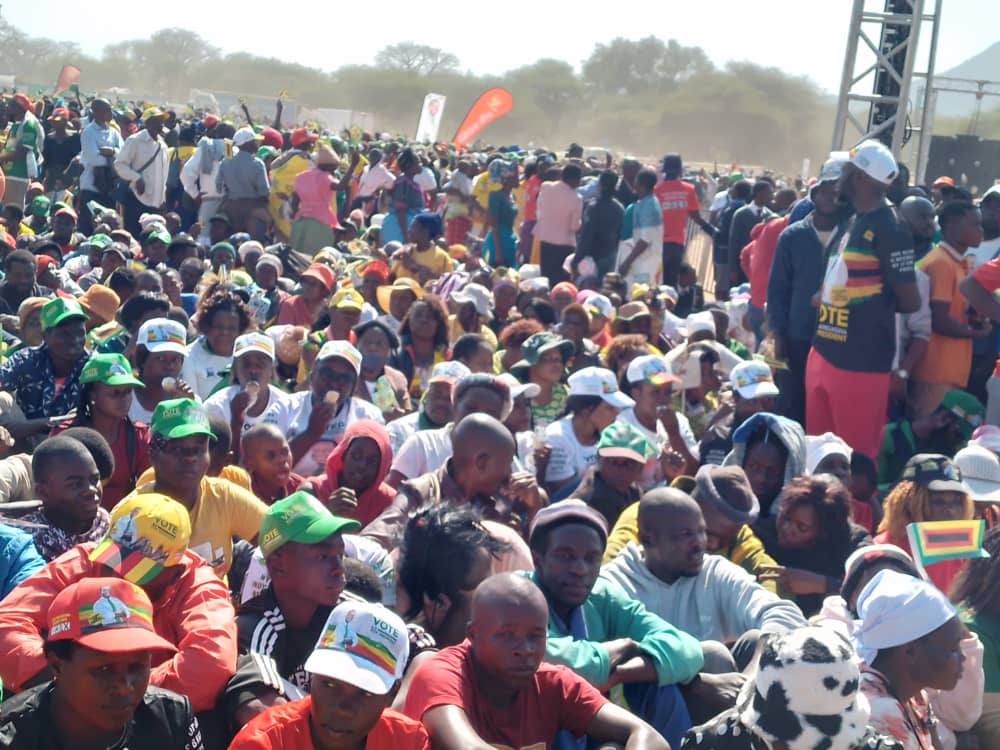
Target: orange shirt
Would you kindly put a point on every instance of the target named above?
(677, 199)
(286, 727)
(948, 360)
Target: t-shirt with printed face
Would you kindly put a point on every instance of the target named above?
(677, 199)
(569, 458)
(556, 698)
(857, 313)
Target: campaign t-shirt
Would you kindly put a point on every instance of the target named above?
(423, 451)
(569, 458)
(314, 461)
(555, 699)
(202, 369)
(857, 313)
(286, 727)
(281, 409)
(677, 199)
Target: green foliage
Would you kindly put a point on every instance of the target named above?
(645, 97)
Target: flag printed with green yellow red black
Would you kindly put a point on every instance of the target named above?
(934, 541)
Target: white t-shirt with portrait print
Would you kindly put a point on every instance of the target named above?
(280, 410)
(569, 458)
(202, 369)
(314, 461)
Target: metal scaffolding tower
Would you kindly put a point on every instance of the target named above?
(880, 61)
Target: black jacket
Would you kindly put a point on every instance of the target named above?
(163, 720)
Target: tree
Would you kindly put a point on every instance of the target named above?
(643, 66)
(417, 58)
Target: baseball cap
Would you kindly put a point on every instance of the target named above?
(301, 518)
(362, 644)
(159, 234)
(621, 440)
(632, 310)
(981, 472)
(598, 304)
(245, 135)
(342, 349)
(106, 614)
(148, 532)
(753, 379)
(449, 372)
(875, 160)
(943, 181)
(150, 112)
(650, 368)
(302, 135)
(565, 511)
(110, 369)
(517, 388)
(66, 211)
(935, 472)
(253, 342)
(321, 273)
(597, 381)
(60, 309)
(702, 322)
(178, 418)
(347, 299)
(162, 335)
(118, 248)
(966, 407)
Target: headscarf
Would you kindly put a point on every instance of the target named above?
(430, 221)
(896, 609)
(377, 497)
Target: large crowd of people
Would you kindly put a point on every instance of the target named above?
(331, 441)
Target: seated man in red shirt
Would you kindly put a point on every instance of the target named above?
(493, 690)
(356, 668)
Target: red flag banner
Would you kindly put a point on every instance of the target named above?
(69, 75)
(491, 105)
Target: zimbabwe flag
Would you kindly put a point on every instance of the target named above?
(934, 541)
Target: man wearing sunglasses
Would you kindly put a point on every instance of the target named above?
(328, 407)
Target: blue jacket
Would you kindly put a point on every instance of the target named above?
(18, 558)
(796, 275)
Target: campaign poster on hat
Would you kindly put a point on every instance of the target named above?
(430, 117)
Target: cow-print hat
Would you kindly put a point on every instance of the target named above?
(805, 692)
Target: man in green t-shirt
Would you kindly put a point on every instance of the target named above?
(23, 150)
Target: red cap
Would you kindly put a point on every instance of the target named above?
(943, 180)
(302, 135)
(106, 614)
(66, 212)
(210, 120)
(565, 286)
(322, 273)
(22, 101)
(59, 113)
(42, 262)
(271, 137)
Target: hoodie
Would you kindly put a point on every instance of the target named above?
(721, 603)
(378, 495)
(787, 431)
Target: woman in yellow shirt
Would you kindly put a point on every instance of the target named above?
(422, 259)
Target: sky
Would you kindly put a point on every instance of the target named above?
(802, 37)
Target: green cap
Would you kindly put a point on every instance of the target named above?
(966, 407)
(110, 369)
(621, 440)
(179, 418)
(266, 152)
(60, 309)
(301, 518)
(101, 241)
(40, 205)
(159, 234)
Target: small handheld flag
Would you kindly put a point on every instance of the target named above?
(934, 541)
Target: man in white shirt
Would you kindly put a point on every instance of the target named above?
(99, 145)
(199, 173)
(142, 162)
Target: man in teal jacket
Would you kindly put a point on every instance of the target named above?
(599, 632)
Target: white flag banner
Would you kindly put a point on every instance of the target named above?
(430, 118)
